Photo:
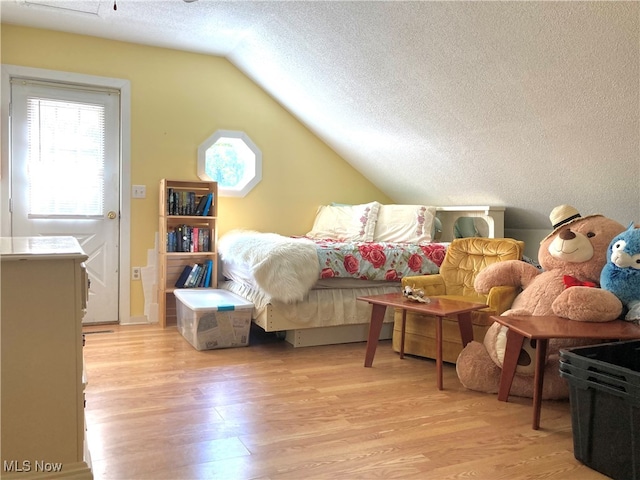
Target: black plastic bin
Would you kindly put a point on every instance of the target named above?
(604, 392)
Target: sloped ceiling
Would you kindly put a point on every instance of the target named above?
(523, 104)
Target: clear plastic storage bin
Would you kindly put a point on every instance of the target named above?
(211, 318)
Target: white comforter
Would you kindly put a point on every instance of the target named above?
(284, 268)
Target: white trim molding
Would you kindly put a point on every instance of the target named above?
(124, 86)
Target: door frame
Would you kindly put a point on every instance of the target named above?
(124, 261)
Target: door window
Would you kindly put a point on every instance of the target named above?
(66, 156)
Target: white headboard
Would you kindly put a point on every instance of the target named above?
(493, 216)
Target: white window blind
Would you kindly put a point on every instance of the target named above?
(66, 157)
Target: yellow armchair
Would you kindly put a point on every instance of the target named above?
(465, 257)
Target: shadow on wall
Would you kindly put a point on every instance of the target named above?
(531, 239)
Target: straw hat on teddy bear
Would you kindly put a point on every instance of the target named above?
(564, 215)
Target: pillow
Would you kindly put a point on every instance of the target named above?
(404, 224)
(352, 223)
(465, 227)
(436, 231)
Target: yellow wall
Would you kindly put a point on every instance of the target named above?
(178, 100)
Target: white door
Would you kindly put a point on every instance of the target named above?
(65, 177)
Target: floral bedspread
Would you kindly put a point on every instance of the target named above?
(378, 261)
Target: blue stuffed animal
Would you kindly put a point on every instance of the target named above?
(621, 274)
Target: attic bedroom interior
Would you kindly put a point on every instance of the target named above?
(322, 239)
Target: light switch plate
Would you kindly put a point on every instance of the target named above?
(139, 191)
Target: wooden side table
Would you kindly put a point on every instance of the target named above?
(542, 329)
(438, 307)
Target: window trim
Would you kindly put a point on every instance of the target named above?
(230, 191)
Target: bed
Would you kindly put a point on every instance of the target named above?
(304, 287)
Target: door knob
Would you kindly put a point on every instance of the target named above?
(111, 215)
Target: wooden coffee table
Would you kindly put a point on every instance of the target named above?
(438, 307)
(542, 329)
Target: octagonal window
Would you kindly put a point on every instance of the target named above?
(231, 159)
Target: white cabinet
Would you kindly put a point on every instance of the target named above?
(44, 293)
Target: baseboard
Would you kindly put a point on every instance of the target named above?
(139, 320)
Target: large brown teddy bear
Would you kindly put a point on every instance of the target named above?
(571, 257)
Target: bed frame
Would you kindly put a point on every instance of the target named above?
(272, 320)
(493, 217)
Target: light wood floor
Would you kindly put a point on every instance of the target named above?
(158, 409)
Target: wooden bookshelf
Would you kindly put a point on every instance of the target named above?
(172, 263)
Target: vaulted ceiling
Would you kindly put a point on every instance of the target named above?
(523, 104)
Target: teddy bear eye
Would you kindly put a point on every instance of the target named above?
(591, 235)
(636, 262)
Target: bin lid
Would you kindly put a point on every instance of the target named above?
(211, 299)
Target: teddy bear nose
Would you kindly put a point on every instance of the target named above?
(567, 234)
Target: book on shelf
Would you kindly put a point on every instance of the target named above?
(201, 204)
(185, 238)
(196, 275)
(187, 203)
(183, 276)
(181, 202)
(192, 276)
(171, 241)
(203, 240)
(171, 207)
(207, 205)
(200, 277)
(195, 241)
(204, 205)
(207, 280)
(182, 238)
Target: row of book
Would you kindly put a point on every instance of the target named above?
(196, 275)
(182, 202)
(185, 238)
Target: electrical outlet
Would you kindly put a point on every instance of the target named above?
(135, 273)
(139, 191)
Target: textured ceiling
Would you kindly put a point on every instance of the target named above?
(522, 104)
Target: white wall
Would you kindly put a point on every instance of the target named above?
(530, 237)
